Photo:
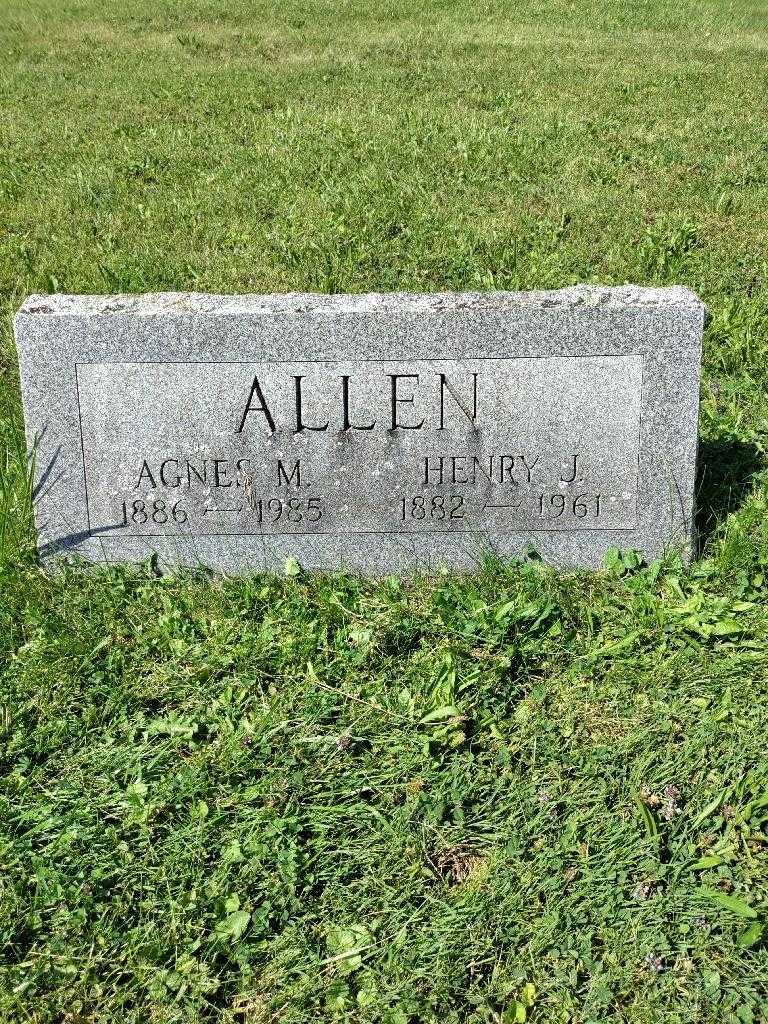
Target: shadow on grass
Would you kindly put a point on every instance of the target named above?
(727, 472)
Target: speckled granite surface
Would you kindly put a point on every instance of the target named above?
(375, 432)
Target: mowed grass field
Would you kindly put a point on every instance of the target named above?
(518, 796)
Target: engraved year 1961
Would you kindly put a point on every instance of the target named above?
(580, 506)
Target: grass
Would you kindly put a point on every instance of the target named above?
(521, 795)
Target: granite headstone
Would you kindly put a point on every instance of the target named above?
(373, 432)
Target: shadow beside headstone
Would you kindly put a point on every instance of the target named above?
(727, 470)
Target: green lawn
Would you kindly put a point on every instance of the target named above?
(522, 795)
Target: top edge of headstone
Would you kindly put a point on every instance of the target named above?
(186, 303)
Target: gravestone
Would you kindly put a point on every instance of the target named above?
(372, 432)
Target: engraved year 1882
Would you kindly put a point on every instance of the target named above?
(435, 507)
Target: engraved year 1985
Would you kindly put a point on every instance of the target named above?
(291, 510)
